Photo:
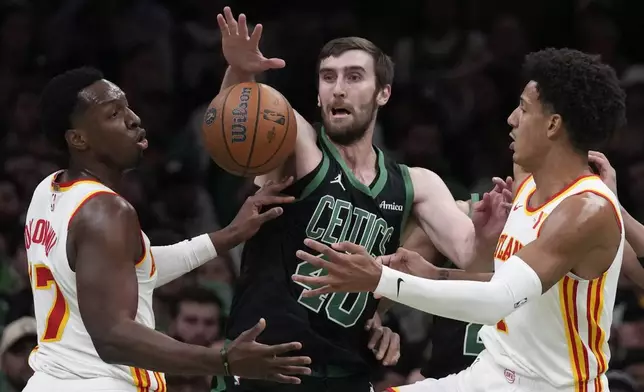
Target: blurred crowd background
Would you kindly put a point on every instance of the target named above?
(457, 80)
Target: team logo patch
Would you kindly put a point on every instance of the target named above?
(510, 376)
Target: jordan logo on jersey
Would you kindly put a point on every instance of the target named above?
(338, 180)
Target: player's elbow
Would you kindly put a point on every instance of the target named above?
(107, 350)
(492, 318)
(108, 345)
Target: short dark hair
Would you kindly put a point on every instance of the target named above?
(195, 294)
(383, 65)
(59, 101)
(583, 90)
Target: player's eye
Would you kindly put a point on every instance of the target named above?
(328, 78)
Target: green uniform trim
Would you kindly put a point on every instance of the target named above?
(381, 177)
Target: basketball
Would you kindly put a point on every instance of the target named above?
(249, 129)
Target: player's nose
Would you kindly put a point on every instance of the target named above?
(339, 91)
(513, 118)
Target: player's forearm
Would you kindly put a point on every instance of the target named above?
(634, 231)
(469, 301)
(476, 255)
(234, 76)
(176, 260)
(132, 344)
(456, 274)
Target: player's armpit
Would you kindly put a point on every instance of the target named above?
(451, 231)
(306, 157)
(631, 266)
(581, 235)
(105, 244)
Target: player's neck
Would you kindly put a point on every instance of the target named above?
(359, 156)
(557, 171)
(107, 176)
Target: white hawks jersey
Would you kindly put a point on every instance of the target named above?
(65, 350)
(562, 337)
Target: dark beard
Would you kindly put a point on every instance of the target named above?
(348, 136)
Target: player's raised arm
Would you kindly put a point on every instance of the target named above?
(245, 60)
(104, 245)
(451, 231)
(581, 235)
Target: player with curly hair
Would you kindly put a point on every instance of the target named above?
(547, 309)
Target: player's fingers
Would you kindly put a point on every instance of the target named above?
(256, 35)
(252, 334)
(279, 349)
(223, 26)
(325, 289)
(598, 154)
(369, 324)
(507, 195)
(269, 215)
(393, 351)
(283, 379)
(384, 260)
(277, 187)
(320, 248)
(499, 183)
(242, 26)
(273, 63)
(230, 20)
(310, 281)
(295, 370)
(266, 199)
(384, 343)
(376, 334)
(292, 361)
(349, 247)
(316, 261)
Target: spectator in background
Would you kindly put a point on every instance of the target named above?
(197, 317)
(18, 340)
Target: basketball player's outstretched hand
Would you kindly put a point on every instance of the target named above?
(251, 215)
(606, 171)
(249, 359)
(489, 216)
(350, 268)
(240, 49)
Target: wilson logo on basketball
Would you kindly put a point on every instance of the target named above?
(240, 116)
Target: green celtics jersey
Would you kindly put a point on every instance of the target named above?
(332, 206)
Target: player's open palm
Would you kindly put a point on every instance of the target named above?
(251, 215)
(240, 49)
(249, 359)
(489, 216)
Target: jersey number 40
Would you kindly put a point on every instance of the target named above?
(337, 309)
